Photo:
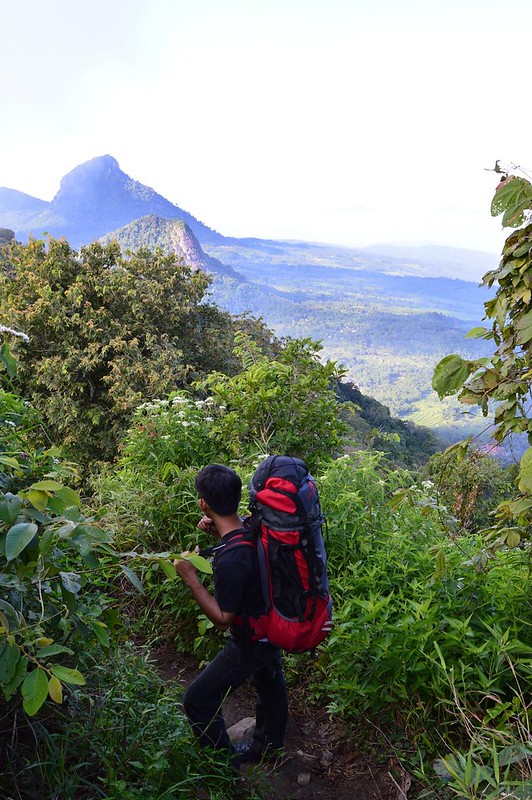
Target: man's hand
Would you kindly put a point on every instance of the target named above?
(207, 525)
(206, 601)
(186, 570)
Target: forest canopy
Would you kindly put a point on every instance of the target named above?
(107, 332)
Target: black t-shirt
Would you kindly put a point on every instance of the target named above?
(236, 581)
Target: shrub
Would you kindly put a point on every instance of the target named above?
(415, 622)
(136, 741)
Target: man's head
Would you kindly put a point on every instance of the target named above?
(220, 488)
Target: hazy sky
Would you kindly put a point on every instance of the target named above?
(348, 121)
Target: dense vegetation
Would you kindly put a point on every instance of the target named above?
(105, 333)
(432, 637)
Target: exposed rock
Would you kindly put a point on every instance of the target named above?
(243, 730)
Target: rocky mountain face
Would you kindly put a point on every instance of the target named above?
(93, 199)
(172, 236)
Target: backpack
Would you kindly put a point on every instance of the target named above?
(286, 526)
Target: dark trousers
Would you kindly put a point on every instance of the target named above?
(231, 667)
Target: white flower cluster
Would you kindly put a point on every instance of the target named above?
(5, 329)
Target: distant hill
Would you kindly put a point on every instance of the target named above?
(430, 260)
(388, 313)
(93, 199)
(16, 207)
(172, 236)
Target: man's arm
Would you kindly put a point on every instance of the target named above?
(206, 601)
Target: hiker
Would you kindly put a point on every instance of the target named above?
(237, 596)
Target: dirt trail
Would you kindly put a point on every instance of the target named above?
(320, 762)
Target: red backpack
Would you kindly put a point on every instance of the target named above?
(286, 523)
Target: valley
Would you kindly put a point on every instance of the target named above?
(387, 313)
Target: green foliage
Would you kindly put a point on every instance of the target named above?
(151, 491)
(470, 484)
(286, 405)
(505, 378)
(137, 741)
(513, 199)
(498, 761)
(371, 424)
(106, 333)
(414, 623)
(46, 600)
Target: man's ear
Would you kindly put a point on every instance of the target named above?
(204, 507)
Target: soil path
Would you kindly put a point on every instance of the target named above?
(321, 763)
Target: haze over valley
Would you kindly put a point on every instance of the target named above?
(388, 313)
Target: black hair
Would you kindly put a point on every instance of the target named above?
(220, 487)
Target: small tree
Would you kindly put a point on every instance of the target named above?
(286, 405)
(107, 332)
(506, 377)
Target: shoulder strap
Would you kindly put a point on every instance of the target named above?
(237, 537)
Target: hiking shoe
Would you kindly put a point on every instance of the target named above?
(250, 753)
(247, 753)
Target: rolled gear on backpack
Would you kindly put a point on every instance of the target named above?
(286, 522)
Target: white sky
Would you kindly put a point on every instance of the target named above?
(347, 121)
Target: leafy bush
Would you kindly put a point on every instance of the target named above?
(286, 405)
(470, 485)
(110, 332)
(47, 550)
(136, 741)
(413, 631)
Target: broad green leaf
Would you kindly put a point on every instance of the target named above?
(168, 569)
(10, 508)
(132, 578)
(479, 333)
(55, 690)
(513, 197)
(70, 581)
(525, 472)
(200, 563)
(8, 662)
(513, 539)
(68, 496)
(53, 650)
(520, 506)
(101, 632)
(34, 691)
(20, 673)
(53, 452)
(458, 450)
(523, 326)
(85, 537)
(10, 614)
(18, 537)
(46, 486)
(39, 500)
(7, 360)
(7, 461)
(91, 560)
(514, 753)
(71, 676)
(450, 374)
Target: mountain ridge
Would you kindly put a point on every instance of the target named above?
(173, 236)
(94, 198)
(97, 197)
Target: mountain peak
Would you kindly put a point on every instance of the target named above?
(98, 171)
(93, 198)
